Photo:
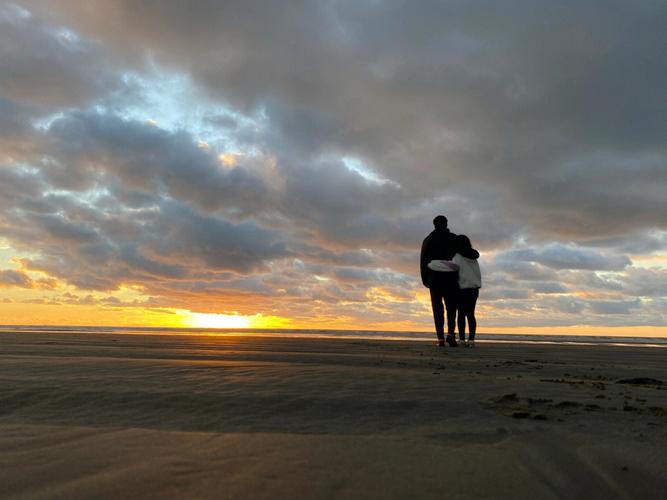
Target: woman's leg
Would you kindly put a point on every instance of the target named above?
(471, 300)
(463, 307)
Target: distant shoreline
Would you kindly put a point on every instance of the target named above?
(385, 335)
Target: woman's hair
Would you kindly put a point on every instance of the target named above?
(463, 242)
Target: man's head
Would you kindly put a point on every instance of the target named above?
(440, 222)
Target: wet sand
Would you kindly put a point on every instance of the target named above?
(135, 416)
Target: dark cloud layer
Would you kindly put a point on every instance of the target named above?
(543, 100)
(558, 256)
(316, 142)
(49, 66)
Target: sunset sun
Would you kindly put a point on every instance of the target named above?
(211, 320)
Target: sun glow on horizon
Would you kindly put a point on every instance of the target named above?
(214, 320)
(189, 319)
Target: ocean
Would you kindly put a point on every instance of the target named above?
(482, 337)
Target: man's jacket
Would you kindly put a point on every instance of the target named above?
(439, 245)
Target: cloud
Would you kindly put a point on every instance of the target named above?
(10, 277)
(642, 282)
(548, 287)
(570, 305)
(15, 133)
(562, 256)
(218, 243)
(88, 147)
(173, 243)
(523, 269)
(436, 89)
(49, 66)
(20, 279)
(614, 307)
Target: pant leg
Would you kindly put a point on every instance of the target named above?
(470, 312)
(451, 300)
(462, 311)
(438, 310)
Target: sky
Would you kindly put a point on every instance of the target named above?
(278, 163)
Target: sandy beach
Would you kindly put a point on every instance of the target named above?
(135, 416)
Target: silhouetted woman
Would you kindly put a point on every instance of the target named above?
(470, 281)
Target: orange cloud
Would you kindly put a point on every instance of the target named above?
(13, 278)
(228, 159)
(19, 278)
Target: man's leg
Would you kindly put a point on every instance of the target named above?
(451, 301)
(438, 311)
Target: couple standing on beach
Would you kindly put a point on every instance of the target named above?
(449, 269)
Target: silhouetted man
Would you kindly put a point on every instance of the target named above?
(441, 245)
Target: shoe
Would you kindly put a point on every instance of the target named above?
(451, 341)
(465, 343)
(441, 343)
(471, 343)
